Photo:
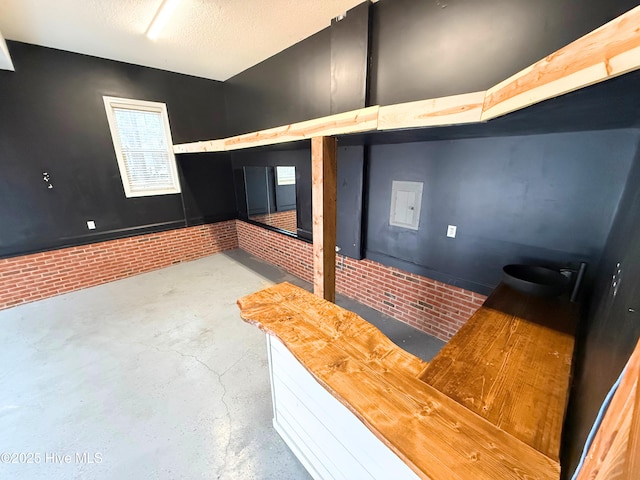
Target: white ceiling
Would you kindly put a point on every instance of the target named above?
(208, 38)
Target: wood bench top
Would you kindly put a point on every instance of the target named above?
(437, 436)
(511, 364)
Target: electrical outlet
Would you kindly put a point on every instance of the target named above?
(451, 231)
(91, 225)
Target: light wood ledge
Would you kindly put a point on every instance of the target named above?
(436, 434)
(609, 51)
(452, 110)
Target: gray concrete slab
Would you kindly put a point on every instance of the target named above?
(154, 376)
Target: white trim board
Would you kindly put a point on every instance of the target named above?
(5, 58)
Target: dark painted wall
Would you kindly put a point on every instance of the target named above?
(428, 49)
(289, 87)
(207, 187)
(543, 198)
(323, 74)
(350, 200)
(610, 330)
(350, 59)
(52, 119)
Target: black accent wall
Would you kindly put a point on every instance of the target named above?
(52, 119)
(429, 49)
(350, 59)
(292, 86)
(546, 199)
(207, 187)
(610, 329)
(350, 200)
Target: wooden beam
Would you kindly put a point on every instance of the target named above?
(200, 147)
(324, 172)
(362, 120)
(611, 50)
(452, 110)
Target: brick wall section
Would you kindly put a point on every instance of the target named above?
(433, 307)
(284, 220)
(42, 275)
(428, 305)
(288, 253)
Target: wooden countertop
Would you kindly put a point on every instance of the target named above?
(511, 364)
(438, 435)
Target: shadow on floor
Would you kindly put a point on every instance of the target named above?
(418, 343)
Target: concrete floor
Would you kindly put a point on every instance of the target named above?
(154, 376)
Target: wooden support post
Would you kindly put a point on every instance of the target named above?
(324, 170)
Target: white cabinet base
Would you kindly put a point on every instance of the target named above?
(329, 440)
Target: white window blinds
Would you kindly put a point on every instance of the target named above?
(143, 145)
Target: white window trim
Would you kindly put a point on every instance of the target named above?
(114, 102)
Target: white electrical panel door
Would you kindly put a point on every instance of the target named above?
(406, 200)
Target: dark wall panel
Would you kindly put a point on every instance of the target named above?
(52, 119)
(612, 325)
(350, 201)
(291, 86)
(544, 199)
(426, 49)
(350, 60)
(207, 187)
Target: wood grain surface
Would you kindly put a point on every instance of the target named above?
(511, 364)
(452, 110)
(436, 436)
(614, 452)
(324, 175)
(362, 120)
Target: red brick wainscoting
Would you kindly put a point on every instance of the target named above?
(288, 253)
(41, 275)
(433, 307)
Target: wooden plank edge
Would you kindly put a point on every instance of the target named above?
(615, 428)
(505, 97)
(633, 449)
(608, 51)
(361, 120)
(199, 147)
(500, 442)
(451, 110)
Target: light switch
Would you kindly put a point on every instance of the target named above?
(451, 231)
(91, 225)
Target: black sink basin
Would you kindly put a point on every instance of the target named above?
(540, 281)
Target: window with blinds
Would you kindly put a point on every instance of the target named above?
(143, 145)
